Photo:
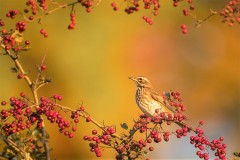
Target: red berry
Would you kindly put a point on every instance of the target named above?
(45, 35)
(81, 108)
(201, 122)
(74, 129)
(89, 10)
(3, 103)
(221, 138)
(151, 148)
(70, 135)
(94, 132)
(42, 31)
(20, 76)
(22, 94)
(66, 133)
(88, 119)
(183, 26)
(185, 12)
(113, 4)
(184, 31)
(7, 47)
(149, 140)
(27, 42)
(59, 97)
(43, 67)
(30, 17)
(76, 120)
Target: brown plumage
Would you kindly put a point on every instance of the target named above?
(148, 100)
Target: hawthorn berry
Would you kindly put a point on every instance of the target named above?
(20, 76)
(151, 148)
(7, 47)
(70, 135)
(88, 119)
(81, 108)
(27, 42)
(94, 132)
(201, 122)
(43, 67)
(3, 103)
(185, 12)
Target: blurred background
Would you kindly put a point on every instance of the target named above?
(91, 65)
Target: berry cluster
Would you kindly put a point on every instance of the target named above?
(42, 4)
(184, 28)
(182, 132)
(73, 21)
(47, 107)
(132, 8)
(219, 147)
(190, 2)
(185, 12)
(153, 5)
(12, 13)
(44, 33)
(75, 115)
(11, 40)
(202, 143)
(231, 12)
(96, 140)
(32, 5)
(8, 41)
(114, 5)
(21, 26)
(21, 113)
(87, 4)
(174, 100)
(148, 20)
(26, 115)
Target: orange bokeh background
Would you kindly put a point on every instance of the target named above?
(92, 63)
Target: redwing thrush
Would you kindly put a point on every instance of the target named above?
(148, 100)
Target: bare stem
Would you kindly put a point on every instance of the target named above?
(199, 22)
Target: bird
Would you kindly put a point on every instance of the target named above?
(149, 100)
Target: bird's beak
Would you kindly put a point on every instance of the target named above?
(132, 78)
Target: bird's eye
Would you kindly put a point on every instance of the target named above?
(140, 79)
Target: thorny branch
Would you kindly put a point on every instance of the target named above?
(33, 89)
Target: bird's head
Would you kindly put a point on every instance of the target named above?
(141, 81)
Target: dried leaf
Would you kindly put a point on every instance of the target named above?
(237, 154)
(18, 36)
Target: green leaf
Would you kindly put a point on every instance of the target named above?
(168, 94)
(124, 125)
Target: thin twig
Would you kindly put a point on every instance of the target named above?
(36, 87)
(53, 10)
(85, 115)
(17, 149)
(199, 22)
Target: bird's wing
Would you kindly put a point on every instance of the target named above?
(160, 99)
